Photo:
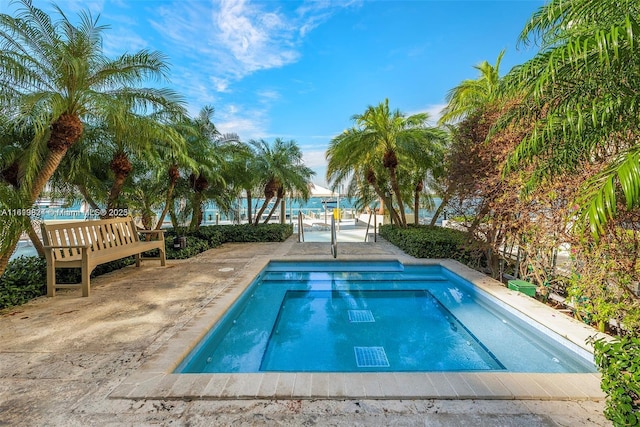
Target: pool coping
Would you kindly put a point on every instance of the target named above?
(155, 378)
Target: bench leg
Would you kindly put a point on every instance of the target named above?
(138, 260)
(163, 257)
(86, 275)
(51, 279)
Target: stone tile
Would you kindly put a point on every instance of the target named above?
(354, 386)
(475, 383)
(372, 387)
(303, 385)
(147, 388)
(390, 386)
(495, 388)
(521, 386)
(242, 385)
(189, 386)
(215, 386)
(461, 387)
(443, 388)
(284, 389)
(163, 388)
(580, 386)
(415, 384)
(268, 384)
(336, 385)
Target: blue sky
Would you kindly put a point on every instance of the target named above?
(301, 70)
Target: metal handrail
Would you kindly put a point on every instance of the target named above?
(300, 228)
(375, 226)
(334, 240)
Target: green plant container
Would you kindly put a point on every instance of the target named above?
(523, 286)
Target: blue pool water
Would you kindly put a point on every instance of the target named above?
(374, 316)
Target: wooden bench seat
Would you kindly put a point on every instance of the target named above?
(87, 244)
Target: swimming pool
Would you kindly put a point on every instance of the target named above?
(374, 317)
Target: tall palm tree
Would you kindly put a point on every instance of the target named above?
(585, 80)
(381, 138)
(470, 95)
(244, 172)
(55, 74)
(281, 169)
(206, 179)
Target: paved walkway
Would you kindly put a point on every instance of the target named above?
(62, 358)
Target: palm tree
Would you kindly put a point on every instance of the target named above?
(243, 169)
(585, 79)
(13, 166)
(381, 138)
(281, 169)
(470, 95)
(56, 76)
(206, 179)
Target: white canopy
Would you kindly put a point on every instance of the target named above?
(319, 191)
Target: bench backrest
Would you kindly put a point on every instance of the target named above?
(99, 235)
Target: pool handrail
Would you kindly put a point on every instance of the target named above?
(334, 240)
(300, 228)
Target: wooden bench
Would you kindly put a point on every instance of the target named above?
(87, 244)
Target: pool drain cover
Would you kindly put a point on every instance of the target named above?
(359, 316)
(371, 357)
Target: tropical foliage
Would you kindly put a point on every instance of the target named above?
(280, 169)
(549, 164)
(386, 153)
(55, 78)
(584, 79)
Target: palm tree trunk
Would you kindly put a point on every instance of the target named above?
(115, 191)
(4, 259)
(35, 239)
(168, 202)
(261, 211)
(392, 211)
(416, 208)
(249, 217)
(443, 204)
(87, 197)
(396, 190)
(273, 209)
(196, 219)
(65, 132)
(49, 166)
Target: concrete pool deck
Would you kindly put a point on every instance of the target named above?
(107, 359)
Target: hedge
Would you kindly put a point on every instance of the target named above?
(424, 241)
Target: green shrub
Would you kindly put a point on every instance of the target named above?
(423, 241)
(619, 363)
(25, 278)
(195, 245)
(250, 233)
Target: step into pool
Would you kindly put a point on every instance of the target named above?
(372, 316)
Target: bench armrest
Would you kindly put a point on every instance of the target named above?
(151, 231)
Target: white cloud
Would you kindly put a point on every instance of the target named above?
(115, 40)
(314, 158)
(434, 111)
(257, 39)
(231, 39)
(268, 95)
(248, 123)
